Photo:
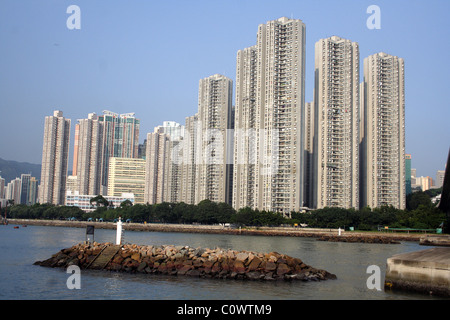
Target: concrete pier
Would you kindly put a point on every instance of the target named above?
(426, 271)
(435, 240)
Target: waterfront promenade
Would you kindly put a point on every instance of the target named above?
(321, 234)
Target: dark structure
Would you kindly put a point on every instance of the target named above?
(444, 204)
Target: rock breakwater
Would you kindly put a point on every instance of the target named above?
(187, 261)
(358, 239)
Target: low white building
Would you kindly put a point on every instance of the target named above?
(73, 198)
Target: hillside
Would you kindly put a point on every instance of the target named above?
(10, 170)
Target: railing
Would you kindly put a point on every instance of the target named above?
(408, 230)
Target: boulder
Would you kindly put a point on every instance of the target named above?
(239, 267)
(242, 256)
(254, 263)
(283, 269)
(141, 267)
(270, 266)
(199, 262)
(136, 256)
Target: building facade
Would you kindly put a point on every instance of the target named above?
(440, 174)
(88, 155)
(2, 188)
(408, 187)
(55, 152)
(309, 154)
(83, 201)
(280, 113)
(384, 136)
(120, 138)
(127, 175)
(336, 128)
(244, 177)
(269, 119)
(189, 160)
(214, 172)
(156, 167)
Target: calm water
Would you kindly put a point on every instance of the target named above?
(20, 279)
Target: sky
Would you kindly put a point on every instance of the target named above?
(147, 57)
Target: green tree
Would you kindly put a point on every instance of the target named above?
(98, 201)
(415, 199)
(206, 212)
(126, 203)
(163, 212)
(243, 216)
(224, 212)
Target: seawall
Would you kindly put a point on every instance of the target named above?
(186, 261)
(425, 271)
(320, 234)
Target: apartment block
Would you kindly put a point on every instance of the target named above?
(156, 167)
(440, 174)
(127, 175)
(408, 188)
(384, 137)
(336, 128)
(2, 188)
(120, 138)
(13, 190)
(269, 119)
(55, 153)
(309, 154)
(244, 176)
(189, 167)
(214, 172)
(88, 155)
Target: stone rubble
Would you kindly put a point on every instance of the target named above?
(358, 239)
(187, 261)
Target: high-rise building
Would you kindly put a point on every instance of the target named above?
(174, 182)
(120, 138)
(127, 175)
(174, 157)
(214, 172)
(440, 174)
(141, 149)
(189, 160)
(309, 154)
(2, 188)
(408, 188)
(280, 113)
(173, 129)
(244, 177)
(384, 136)
(156, 167)
(72, 184)
(269, 122)
(13, 190)
(425, 183)
(55, 153)
(32, 191)
(336, 128)
(88, 156)
(25, 188)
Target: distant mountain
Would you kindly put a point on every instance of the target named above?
(10, 170)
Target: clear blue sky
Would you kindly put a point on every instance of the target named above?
(148, 56)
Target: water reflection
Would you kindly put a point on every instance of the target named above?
(20, 279)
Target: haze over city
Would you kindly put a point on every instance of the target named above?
(148, 58)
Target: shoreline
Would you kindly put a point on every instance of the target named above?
(320, 234)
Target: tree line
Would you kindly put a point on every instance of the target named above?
(420, 213)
